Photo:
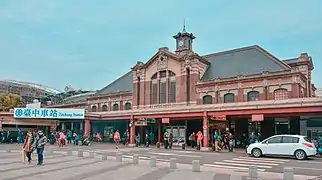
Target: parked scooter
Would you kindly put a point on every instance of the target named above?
(86, 142)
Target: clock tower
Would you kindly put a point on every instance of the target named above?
(184, 41)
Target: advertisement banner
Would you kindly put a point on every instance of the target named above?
(49, 113)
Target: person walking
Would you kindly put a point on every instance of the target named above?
(199, 140)
(69, 136)
(192, 139)
(27, 146)
(217, 139)
(170, 140)
(40, 143)
(62, 139)
(117, 138)
(166, 139)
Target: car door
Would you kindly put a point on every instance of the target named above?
(288, 145)
(271, 146)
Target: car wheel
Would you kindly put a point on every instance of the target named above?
(256, 152)
(300, 155)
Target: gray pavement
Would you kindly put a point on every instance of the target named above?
(213, 164)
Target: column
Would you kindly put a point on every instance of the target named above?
(205, 132)
(72, 126)
(132, 132)
(158, 88)
(167, 88)
(87, 127)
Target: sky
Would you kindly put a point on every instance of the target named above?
(88, 44)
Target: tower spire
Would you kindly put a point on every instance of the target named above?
(184, 25)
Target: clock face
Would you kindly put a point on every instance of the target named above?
(180, 43)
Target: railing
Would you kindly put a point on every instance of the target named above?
(184, 108)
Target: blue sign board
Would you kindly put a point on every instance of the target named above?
(49, 113)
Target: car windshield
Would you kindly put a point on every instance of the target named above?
(307, 139)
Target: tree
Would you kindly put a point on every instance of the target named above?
(9, 101)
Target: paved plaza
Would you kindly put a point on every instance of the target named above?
(58, 165)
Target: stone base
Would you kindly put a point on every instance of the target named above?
(131, 145)
(205, 149)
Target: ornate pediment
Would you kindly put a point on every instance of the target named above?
(162, 61)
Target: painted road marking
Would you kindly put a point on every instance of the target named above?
(239, 164)
(229, 167)
(251, 163)
(146, 158)
(268, 159)
(168, 154)
(269, 163)
(259, 160)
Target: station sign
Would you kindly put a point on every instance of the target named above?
(146, 120)
(49, 113)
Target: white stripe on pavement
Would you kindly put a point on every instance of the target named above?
(251, 163)
(168, 154)
(258, 160)
(268, 159)
(239, 164)
(146, 158)
(229, 167)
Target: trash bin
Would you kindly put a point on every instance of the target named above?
(183, 146)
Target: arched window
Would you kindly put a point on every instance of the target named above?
(115, 107)
(172, 87)
(154, 89)
(163, 87)
(280, 94)
(94, 108)
(253, 96)
(104, 107)
(229, 98)
(127, 106)
(207, 99)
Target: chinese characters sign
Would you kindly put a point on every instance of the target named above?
(49, 113)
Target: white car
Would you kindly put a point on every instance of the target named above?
(283, 145)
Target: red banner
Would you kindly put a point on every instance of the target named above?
(258, 117)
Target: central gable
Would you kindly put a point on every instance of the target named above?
(162, 60)
(243, 61)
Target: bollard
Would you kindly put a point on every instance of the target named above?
(135, 159)
(104, 156)
(153, 161)
(173, 163)
(80, 153)
(91, 154)
(195, 166)
(119, 157)
(288, 174)
(252, 172)
(69, 152)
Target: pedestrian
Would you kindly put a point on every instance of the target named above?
(125, 138)
(20, 134)
(62, 139)
(151, 138)
(192, 139)
(170, 140)
(199, 140)
(137, 140)
(217, 141)
(28, 145)
(146, 139)
(69, 136)
(40, 143)
(117, 138)
(166, 139)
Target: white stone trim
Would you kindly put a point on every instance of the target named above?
(124, 102)
(288, 87)
(222, 93)
(259, 89)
